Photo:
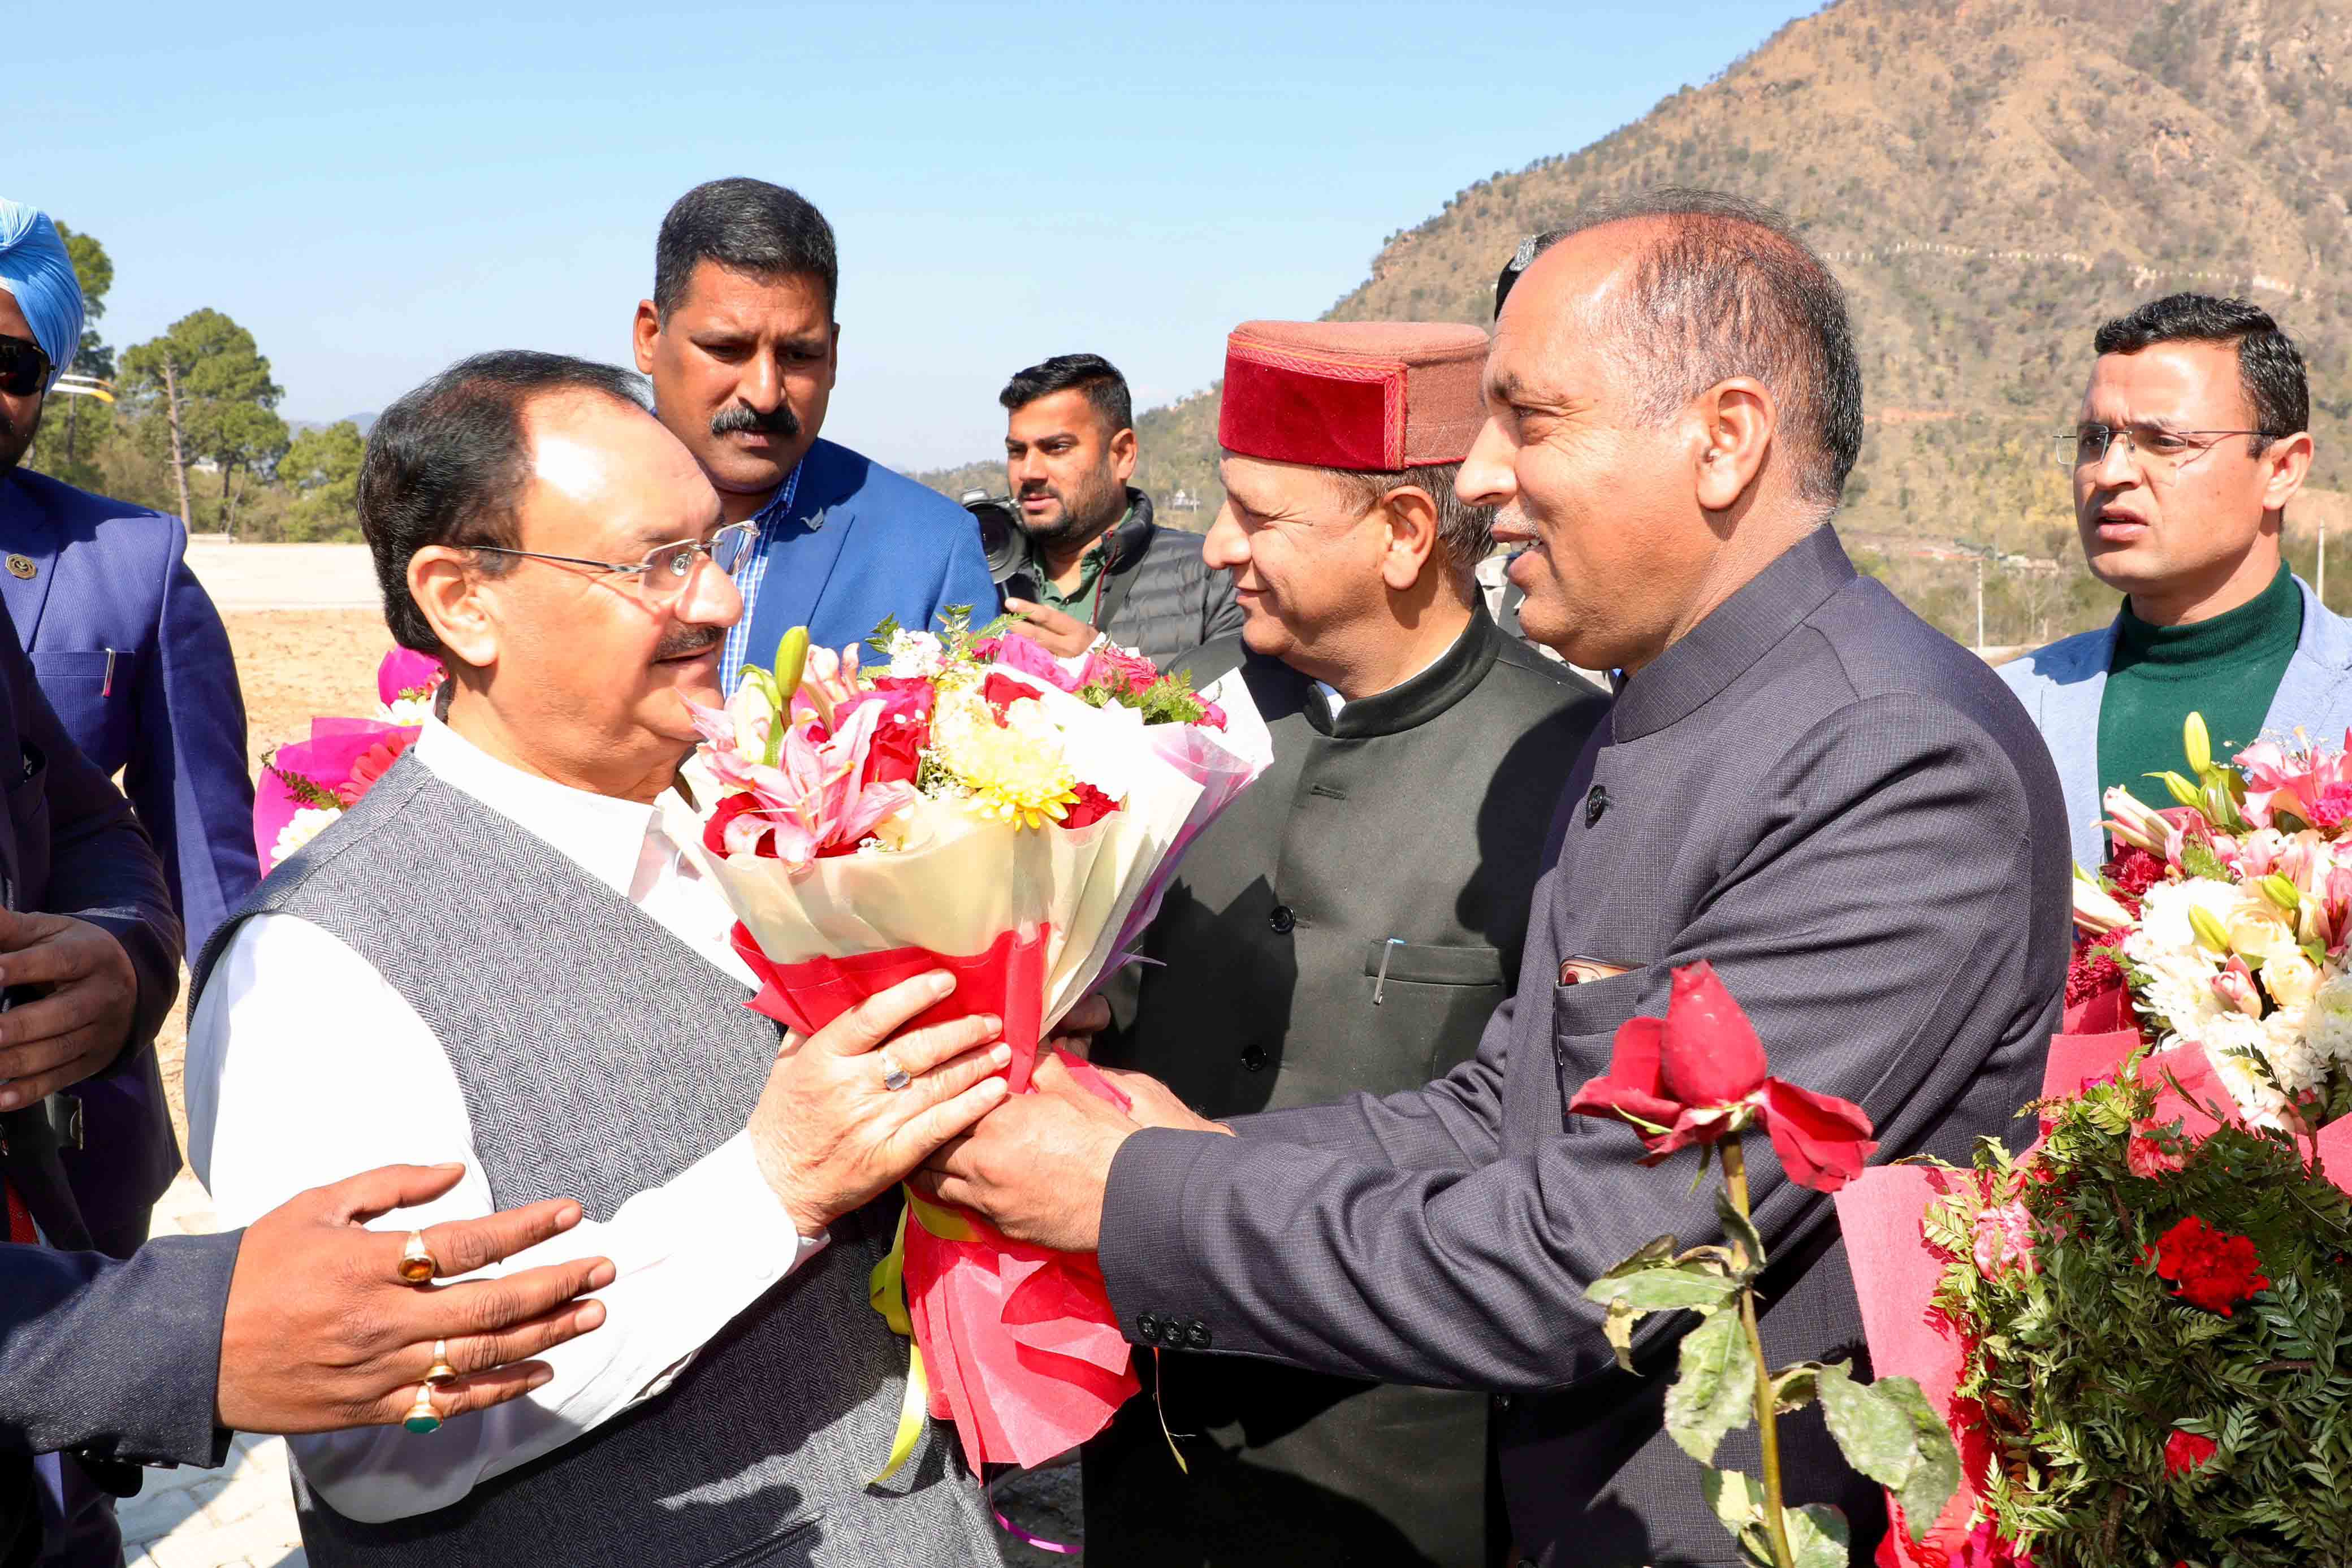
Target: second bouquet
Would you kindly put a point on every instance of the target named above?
(975, 804)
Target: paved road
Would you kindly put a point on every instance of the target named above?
(284, 577)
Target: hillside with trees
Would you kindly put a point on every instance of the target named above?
(1990, 179)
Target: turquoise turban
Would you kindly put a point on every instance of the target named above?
(35, 267)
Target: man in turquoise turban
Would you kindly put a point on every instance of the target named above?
(36, 270)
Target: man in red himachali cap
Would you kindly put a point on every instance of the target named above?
(1350, 922)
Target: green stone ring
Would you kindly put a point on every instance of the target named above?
(422, 1417)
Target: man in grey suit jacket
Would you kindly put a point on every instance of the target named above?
(2193, 438)
(1800, 781)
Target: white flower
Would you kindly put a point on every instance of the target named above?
(2164, 912)
(2290, 979)
(307, 823)
(915, 655)
(408, 710)
(2327, 1021)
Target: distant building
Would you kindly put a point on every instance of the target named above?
(1184, 500)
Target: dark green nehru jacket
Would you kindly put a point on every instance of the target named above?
(2227, 668)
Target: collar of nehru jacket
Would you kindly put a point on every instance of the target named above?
(1414, 702)
(603, 835)
(35, 267)
(1728, 643)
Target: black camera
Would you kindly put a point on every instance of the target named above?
(1001, 539)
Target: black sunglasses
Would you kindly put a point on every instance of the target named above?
(23, 369)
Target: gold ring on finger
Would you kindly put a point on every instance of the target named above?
(442, 1372)
(892, 1077)
(422, 1417)
(417, 1263)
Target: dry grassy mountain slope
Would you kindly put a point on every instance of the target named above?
(1990, 179)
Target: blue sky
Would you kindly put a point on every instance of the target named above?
(376, 197)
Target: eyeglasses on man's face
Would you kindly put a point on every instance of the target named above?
(663, 573)
(24, 368)
(2160, 452)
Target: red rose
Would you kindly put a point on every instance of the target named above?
(1212, 716)
(1000, 691)
(1093, 807)
(2210, 1268)
(1699, 1075)
(900, 732)
(2186, 1451)
(714, 831)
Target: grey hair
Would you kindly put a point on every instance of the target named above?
(1727, 288)
(1465, 534)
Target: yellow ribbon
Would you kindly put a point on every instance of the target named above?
(886, 1290)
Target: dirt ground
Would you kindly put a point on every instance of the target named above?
(295, 665)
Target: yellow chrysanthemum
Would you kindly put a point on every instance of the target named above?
(1016, 771)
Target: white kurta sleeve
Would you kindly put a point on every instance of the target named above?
(304, 1067)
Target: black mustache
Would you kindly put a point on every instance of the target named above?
(736, 419)
(688, 641)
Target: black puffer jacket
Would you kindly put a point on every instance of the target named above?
(1159, 597)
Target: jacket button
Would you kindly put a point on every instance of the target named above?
(1281, 919)
(1254, 1056)
(1196, 1335)
(1146, 1328)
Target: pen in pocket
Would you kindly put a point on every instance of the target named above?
(106, 689)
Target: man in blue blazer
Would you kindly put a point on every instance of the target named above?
(2193, 436)
(742, 345)
(134, 660)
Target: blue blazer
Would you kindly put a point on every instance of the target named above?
(70, 845)
(862, 544)
(2061, 687)
(163, 710)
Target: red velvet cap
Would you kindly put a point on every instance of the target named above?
(1380, 395)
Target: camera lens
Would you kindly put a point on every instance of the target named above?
(1000, 539)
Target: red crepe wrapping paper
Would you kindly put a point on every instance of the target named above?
(1896, 1270)
(1022, 1348)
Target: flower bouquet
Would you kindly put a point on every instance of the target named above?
(2138, 1328)
(306, 784)
(977, 805)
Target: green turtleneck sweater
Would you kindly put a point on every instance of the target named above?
(2227, 668)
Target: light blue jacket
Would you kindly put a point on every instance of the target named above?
(2061, 687)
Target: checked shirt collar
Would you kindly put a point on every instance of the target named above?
(772, 518)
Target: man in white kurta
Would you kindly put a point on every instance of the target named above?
(503, 929)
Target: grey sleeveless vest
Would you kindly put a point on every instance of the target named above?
(599, 1057)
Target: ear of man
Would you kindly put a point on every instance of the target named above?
(1733, 425)
(1409, 514)
(1123, 454)
(643, 330)
(2286, 465)
(454, 600)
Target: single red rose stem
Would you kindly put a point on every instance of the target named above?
(1735, 1182)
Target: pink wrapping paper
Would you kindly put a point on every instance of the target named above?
(325, 759)
(1020, 1342)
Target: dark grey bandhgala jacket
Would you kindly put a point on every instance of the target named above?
(1351, 923)
(1852, 819)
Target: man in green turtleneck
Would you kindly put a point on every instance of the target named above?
(2193, 437)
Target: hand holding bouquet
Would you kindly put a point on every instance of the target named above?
(977, 805)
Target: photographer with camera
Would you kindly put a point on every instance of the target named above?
(1086, 561)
